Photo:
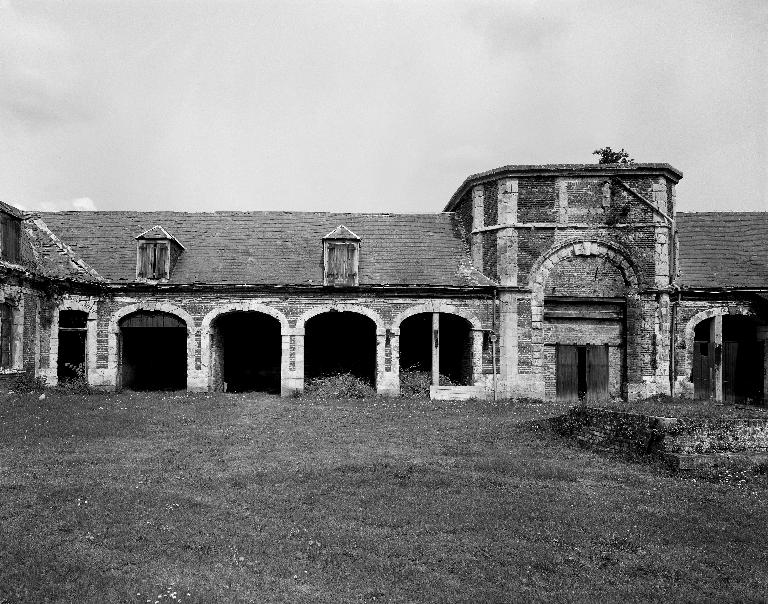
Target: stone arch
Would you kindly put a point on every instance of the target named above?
(690, 329)
(250, 306)
(308, 351)
(166, 307)
(245, 306)
(615, 254)
(544, 264)
(439, 306)
(87, 306)
(435, 306)
(360, 310)
(540, 271)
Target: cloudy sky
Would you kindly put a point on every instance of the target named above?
(371, 105)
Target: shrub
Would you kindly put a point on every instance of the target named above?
(27, 382)
(78, 383)
(338, 386)
(416, 383)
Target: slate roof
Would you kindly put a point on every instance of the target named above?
(43, 254)
(275, 248)
(723, 249)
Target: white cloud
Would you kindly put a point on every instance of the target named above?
(83, 204)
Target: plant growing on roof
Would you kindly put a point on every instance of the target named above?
(609, 156)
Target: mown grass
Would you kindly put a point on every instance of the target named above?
(237, 498)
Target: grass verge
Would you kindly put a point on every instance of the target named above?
(239, 498)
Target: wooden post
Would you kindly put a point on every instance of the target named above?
(435, 348)
(716, 337)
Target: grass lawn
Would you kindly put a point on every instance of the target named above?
(236, 498)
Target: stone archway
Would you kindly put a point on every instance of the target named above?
(88, 307)
(546, 383)
(713, 360)
(209, 360)
(457, 320)
(159, 307)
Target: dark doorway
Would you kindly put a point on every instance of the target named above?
(416, 343)
(454, 343)
(340, 342)
(582, 372)
(740, 355)
(247, 348)
(743, 363)
(153, 351)
(455, 349)
(73, 336)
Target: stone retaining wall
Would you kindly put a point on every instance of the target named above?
(684, 443)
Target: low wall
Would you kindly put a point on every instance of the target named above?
(684, 443)
(456, 393)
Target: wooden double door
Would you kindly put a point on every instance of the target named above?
(582, 372)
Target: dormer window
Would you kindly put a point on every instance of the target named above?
(10, 236)
(156, 254)
(341, 258)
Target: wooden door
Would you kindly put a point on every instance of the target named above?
(701, 371)
(567, 362)
(597, 372)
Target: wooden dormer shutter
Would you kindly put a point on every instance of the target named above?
(341, 258)
(342, 265)
(157, 252)
(161, 260)
(10, 238)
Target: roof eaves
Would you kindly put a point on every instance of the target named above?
(12, 210)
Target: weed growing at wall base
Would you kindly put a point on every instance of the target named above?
(338, 386)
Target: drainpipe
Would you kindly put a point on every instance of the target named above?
(493, 341)
(672, 343)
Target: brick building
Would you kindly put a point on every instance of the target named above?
(553, 281)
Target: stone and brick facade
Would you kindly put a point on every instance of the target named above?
(580, 280)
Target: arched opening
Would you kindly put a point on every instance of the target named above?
(73, 337)
(735, 357)
(245, 352)
(451, 346)
(153, 351)
(340, 342)
(584, 327)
